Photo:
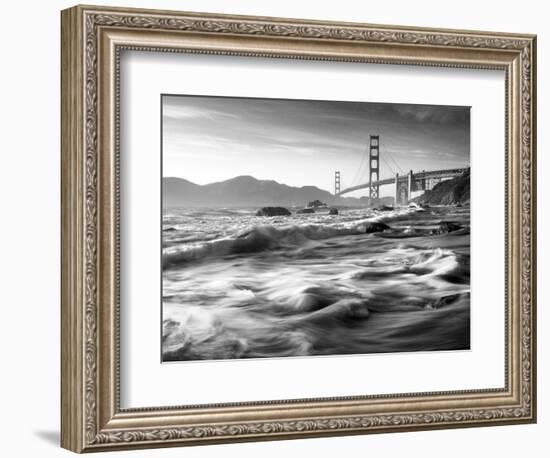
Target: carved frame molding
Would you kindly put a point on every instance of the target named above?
(91, 417)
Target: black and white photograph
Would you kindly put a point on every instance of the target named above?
(303, 228)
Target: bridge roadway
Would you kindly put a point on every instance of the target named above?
(432, 174)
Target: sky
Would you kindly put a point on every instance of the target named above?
(303, 142)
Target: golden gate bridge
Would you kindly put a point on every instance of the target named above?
(405, 183)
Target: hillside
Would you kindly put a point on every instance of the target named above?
(448, 192)
(246, 191)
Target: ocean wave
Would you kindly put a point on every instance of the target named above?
(267, 237)
(195, 333)
(315, 288)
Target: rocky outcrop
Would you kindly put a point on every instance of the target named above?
(449, 192)
(376, 227)
(445, 227)
(316, 204)
(419, 207)
(333, 211)
(273, 211)
(383, 208)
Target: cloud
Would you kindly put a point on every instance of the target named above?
(432, 114)
(181, 112)
(200, 133)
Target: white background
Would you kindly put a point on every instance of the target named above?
(29, 241)
(145, 76)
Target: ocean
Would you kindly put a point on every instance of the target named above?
(236, 285)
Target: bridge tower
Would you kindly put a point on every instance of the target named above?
(374, 158)
(397, 198)
(410, 186)
(404, 188)
(336, 182)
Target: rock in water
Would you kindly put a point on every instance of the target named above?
(418, 207)
(383, 208)
(376, 227)
(306, 210)
(316, 204)
(445, 227)
(333, 211)
(444, 300)
(273, 211)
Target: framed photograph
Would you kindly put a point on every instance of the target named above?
(277, 228)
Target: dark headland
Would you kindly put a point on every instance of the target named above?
(449, 192)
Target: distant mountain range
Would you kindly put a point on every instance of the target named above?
(248, 191)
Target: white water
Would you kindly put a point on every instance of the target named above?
(240, 286)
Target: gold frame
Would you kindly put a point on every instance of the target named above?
(92, 38)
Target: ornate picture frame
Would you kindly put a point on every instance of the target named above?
(92, 40)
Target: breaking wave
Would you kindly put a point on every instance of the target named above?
(268, 237)
(315, 285)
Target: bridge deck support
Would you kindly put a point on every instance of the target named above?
(409, 186)
(396, 199)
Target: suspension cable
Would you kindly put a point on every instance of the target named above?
(358, 173)
(394, 161)
(364, 165)
(388, 165)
